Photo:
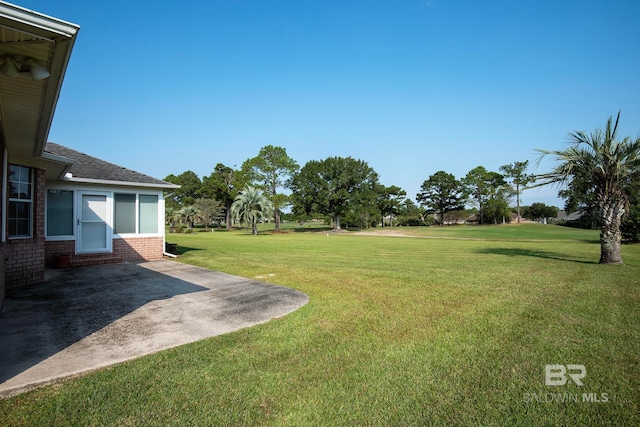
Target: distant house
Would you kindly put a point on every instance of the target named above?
(58, 201)
(573, 216)
(514, 217)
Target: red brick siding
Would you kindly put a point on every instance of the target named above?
(25, 257)
(129, 249)
(132, 248)
(57, 247)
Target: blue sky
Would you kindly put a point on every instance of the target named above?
(409, 86)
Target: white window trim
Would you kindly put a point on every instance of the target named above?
(31, 202)
(137, 233)
(74, 215)
(109, 222)
(112, 192)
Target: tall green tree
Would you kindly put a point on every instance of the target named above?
(250, 206)
(188, 192)
(610, 166)
(210, 210)
(333, 187)
(224, 184)
(389, 200)
(516, 173)
(476, 184)
(442, 193)
(539, 211)
(272, 168)
(410, 213)
(488, 192)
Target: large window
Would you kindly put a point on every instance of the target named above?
(125, 213)
(59, 213)
(148, 213)
(20, 212)
(133, 210)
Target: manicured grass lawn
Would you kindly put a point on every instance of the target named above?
(452, 330)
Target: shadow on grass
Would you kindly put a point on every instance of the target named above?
(184, 249)
(514, 252)
(313, 229)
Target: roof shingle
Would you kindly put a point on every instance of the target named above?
(92, 168)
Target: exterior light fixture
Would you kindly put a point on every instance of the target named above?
(9, 68)
(37, 72)
(14, 66)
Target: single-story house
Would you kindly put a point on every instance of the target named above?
(55, 200)
(97, 212)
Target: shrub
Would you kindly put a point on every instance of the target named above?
(630, 226)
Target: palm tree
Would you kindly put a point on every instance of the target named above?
(189, 214)
(172, 216)
(250, 206)
(609, 166)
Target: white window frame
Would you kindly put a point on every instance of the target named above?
(137, 233)
(108, 220)
(30, 201)
(74, 218)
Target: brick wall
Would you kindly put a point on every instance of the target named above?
(133, 248)
(25, 257)
(58, 247)
(129, 249)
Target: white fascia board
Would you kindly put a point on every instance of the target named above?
(38, 20)
(118, 183)
(64, 161)
(57, 159)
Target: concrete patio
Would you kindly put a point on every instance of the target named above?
(86, 318)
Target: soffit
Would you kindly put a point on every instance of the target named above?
(27, 105)
(21, 98)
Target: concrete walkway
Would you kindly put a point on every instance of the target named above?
(86, 318)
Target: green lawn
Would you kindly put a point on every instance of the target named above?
(454, 328)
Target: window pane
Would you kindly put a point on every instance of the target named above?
(14, 190)
(19, 182)
(125, 213)
(148, 213)
(59, 213)
(24, 174)
(94, 235)
(25, 191)
(20, 203)
(19, 219)
(94, 208)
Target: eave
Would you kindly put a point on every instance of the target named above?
(27, 106)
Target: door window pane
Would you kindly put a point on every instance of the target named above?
(94, 235)
(94, 208)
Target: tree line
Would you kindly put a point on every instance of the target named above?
(343, 190)
(599, 174)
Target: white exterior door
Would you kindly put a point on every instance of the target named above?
(94, 223)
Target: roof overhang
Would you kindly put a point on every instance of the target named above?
(105, 182)
(26, 105)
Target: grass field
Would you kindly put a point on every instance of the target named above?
(453, 326)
